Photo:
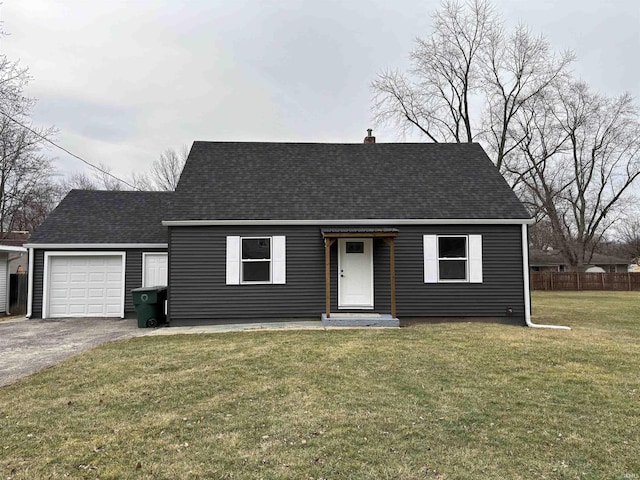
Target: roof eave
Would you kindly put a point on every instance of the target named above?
(352, 221)
(67, 246)
(11, 248)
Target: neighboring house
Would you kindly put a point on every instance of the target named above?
(93, 249)
(354, 233)
(16, 258)
(553, 261)
(7, 252)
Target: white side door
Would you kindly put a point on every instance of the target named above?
(355, 273)
(154, 269)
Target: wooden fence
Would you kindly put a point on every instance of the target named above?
(584, 281)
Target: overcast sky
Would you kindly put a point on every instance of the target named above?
(125, 80)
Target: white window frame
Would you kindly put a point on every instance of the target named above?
(278, 253)
(465, 258)
(431, 258)
(257, 260)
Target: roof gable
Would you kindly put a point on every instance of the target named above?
(95, 216)
(309, 181)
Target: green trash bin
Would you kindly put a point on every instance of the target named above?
(149, 303)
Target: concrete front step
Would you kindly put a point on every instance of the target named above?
(359, 320)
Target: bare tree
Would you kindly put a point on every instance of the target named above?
(629, 238)
(35, 206)
(101, 179)
(580, 154)
(164, 175)
(541, 236)
(142, 182)
(13, 80)
(469, 79)
(79, 181)
(106, 180)
(26, 188)
(435, 96)
(165, 171)
(570, 154)
(519, 68)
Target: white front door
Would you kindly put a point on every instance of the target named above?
(154, 269)
(355, 273)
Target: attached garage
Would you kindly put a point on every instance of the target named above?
(84, 284)
(93, 249)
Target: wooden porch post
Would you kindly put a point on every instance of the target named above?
(327, 273)
(392, 273)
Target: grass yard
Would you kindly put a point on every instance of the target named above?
(445, 401)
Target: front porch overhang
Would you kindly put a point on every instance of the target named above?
(330, 235)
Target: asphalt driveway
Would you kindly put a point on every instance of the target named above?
(27, 346)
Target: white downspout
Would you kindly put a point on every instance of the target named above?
(30, 284)
(7, 288)
(527, 292)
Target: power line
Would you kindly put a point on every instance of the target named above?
(67, 151)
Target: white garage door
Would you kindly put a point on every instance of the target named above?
(85, 286)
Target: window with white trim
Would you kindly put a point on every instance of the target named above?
(256, 260)
(452, 258)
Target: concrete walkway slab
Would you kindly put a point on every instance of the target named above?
(238, 327)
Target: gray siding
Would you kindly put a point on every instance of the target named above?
(197, 277)
(502, 284)
(133, 276)
(199, 294)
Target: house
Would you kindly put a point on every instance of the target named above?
(551, 260)
(294, 230)
(93, 249)
(18, 258)
(7, 253)
(13, 259)
(356, 233)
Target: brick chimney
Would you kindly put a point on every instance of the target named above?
(369, 138)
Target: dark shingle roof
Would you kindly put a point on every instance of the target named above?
(14, 239)
(308, 181)
(93, 216)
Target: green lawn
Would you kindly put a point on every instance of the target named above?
(438, 401)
